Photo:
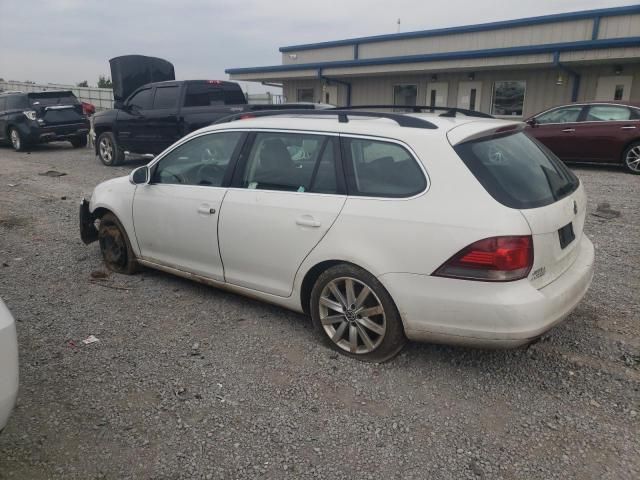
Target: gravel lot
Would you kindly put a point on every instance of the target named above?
(191, 382)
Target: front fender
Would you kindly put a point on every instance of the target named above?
(116, 196)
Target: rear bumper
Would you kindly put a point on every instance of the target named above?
(8, 365)
(88, 230)
(488, 314)
(35, 133)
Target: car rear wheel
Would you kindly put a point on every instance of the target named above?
(17, 142)
(115, 246)
(108, 150)
(631, 158)
(78, 142)
(355, 315)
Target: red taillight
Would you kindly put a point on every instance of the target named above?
(495, 259)
(247, 116)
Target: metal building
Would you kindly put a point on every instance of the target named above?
(507, 68)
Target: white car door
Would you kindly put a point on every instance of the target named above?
(287, 193)
(175, 215)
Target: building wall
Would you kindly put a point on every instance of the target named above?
(542, 92)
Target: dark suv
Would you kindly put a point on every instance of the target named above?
(37, 117)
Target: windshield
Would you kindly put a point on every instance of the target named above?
(52, 98)
(517, 171)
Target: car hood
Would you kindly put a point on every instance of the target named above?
(129, 72)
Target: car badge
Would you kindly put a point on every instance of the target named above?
(575, 208)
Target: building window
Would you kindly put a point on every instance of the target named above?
(508, 98)
(405, 94)
(305, 95)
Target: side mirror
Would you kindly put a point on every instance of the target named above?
(140, 175)
(532, 122)
(118, 105)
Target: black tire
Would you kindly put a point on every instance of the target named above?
(383, 342)
(78, 142)
(631, 158)
(115, 246)
(108, 150)
(17, 141)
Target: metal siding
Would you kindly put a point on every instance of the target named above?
(319, 55)
(508, 37)
(604, 54)
(618, 27)
(273, 76)
(480, 63)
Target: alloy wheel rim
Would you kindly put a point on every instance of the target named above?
(633, 159)
(352, 315)
(15, 139)
(106, 150)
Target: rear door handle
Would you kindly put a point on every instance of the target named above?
(307, 221)
(628, 127)
(569, 130)
(206, 209)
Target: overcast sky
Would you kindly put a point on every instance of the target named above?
(67, 41)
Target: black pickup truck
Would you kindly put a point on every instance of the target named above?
(153, 110)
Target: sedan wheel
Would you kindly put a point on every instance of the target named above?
(632, 158)
(355, 314)
(352, 315)
(115, 247)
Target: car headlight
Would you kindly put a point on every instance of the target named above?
(30, 114)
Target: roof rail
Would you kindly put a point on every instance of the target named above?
(342, 114)
(448, 111)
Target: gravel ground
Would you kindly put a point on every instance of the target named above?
(191, 382)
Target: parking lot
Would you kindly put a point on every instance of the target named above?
(187, 381)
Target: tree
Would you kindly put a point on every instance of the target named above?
(104, 82)
(83, 83)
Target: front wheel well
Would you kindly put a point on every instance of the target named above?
(100, 212)
(310, 279)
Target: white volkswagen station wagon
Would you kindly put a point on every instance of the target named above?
(382, 227)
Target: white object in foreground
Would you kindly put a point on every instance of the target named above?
(8, 364)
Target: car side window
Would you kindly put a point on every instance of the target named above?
(382, 169)
(141, 100)
(202, 161)
(166, 97)
(608, 113)
(3, 104)
(560, 115)
(291, 162)
(17, 101)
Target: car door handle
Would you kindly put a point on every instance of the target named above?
(628, 127)
(206, 209)
(569, 130)
(307, 221)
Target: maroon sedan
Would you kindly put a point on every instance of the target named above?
(600, 132)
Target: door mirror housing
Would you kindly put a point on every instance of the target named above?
(140, 175)
(118, 105)
(532, 122)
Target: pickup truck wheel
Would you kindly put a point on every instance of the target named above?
(17, 142)
(78, 142)
(631, 158)
(115, 246)
(108, 150)
(355, 315)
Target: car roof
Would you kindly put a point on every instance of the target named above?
(624, 103)
(371, 126)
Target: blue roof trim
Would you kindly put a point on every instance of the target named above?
(556, 17)
(492, 52)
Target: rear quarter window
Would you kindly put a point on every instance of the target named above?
(378, 168)
(517, 171)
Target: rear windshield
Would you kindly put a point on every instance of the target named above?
(517, 171)
(52, 98)
(205, 95)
